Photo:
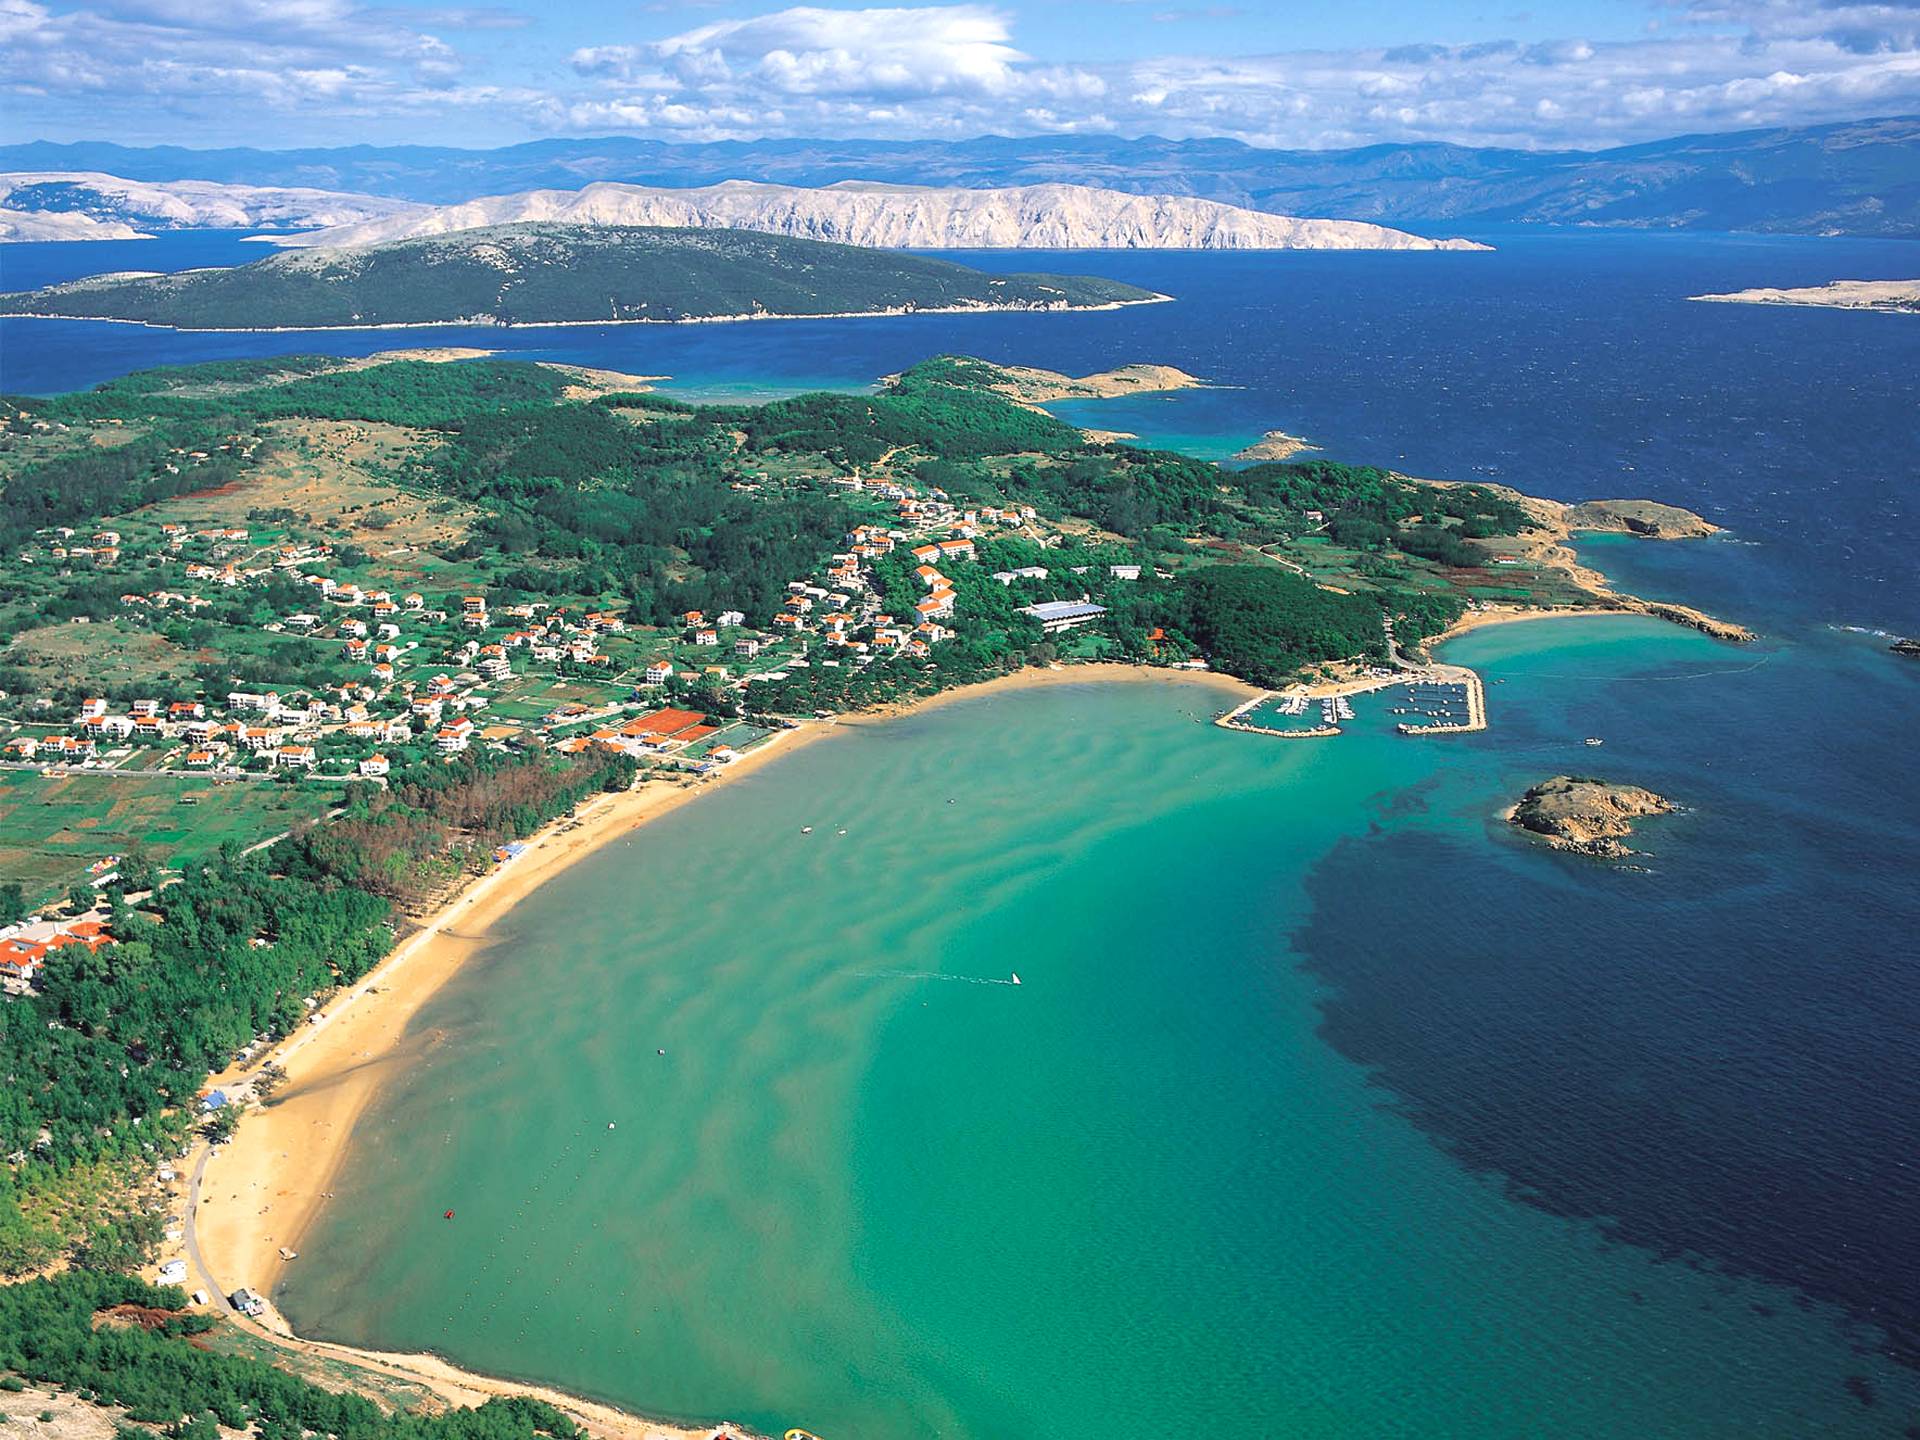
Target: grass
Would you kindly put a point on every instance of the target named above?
(106, 653)
(53, 827)
(527, 698)
(227, 1338)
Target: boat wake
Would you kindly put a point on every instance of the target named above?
(934, 975)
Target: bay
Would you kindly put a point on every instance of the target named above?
(1326, 1107)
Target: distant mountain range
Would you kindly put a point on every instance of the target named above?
(88, 205)
(1861, 177)
(561, 274)
(905, 217)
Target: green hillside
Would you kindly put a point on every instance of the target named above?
(545, 274)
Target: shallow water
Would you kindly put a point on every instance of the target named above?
(1326, 1106)
(859, 1196)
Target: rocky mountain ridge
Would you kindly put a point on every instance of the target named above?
(905, 217)
(1857, 177)
(89, 205)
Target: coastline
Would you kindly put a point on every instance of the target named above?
(334, 1061)
(1098, 672)
(1503, 615)
(269, 1181)
(471, 324)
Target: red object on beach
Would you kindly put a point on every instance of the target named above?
(447, 1216)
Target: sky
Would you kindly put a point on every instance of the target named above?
(1537, 74)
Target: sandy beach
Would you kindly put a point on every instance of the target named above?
(1507, 615)
(260, 1191)
(266, 1184)
(264, 1187)
(1106, 672)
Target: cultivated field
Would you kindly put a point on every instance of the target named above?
(53, 827)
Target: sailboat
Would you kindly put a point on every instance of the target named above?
(1016, 977)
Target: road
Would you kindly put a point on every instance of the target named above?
(195, 1260)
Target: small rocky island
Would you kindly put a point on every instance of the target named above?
(1585, 815)
(1275, 445)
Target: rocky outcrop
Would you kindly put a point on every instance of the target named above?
(1646, 518)
(1585, 815)
(908, 217)
(1274, 445)
(1693, 619)
(1032, 386)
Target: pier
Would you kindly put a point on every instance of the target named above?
(1332, 699)
(1475, 718)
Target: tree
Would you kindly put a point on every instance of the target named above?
(13, 902)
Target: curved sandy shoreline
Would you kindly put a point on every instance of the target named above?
(267, 1185)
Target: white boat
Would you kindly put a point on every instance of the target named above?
(1016, 977)
(1595, 740)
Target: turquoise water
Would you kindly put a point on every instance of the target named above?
(873, 1189)
(1326, 1107)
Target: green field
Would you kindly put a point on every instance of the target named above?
(53, 827)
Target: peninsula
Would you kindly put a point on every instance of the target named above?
(1898, 295)
(540, 274)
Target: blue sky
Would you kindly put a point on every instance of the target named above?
(281, 73)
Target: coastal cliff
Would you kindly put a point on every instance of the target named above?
(1584, 815)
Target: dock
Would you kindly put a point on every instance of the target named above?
(1331, 698)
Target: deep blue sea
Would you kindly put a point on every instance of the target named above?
(1715, 1059)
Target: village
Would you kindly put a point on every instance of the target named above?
(422, 675)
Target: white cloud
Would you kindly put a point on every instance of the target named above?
(943, 50)
(202, 66)
(941, 70)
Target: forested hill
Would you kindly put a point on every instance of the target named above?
(545, 274)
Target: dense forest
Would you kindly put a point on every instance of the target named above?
(1265, 625)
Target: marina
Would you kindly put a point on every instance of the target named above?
(1432, 700)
